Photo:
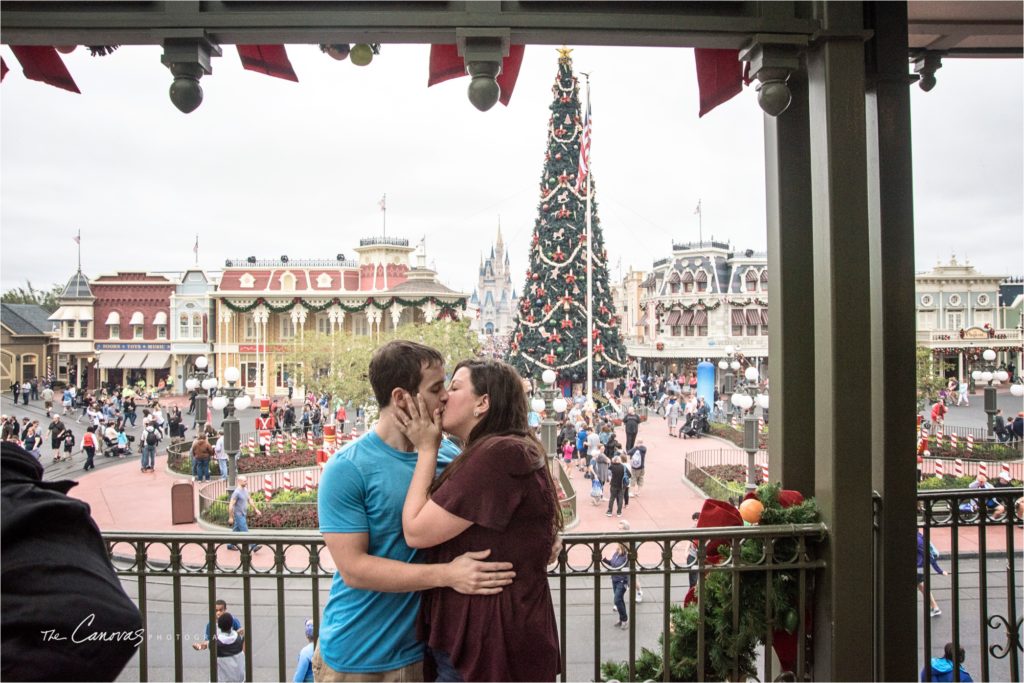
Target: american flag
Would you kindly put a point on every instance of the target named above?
(584, 168)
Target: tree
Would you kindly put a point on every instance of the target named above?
(551, 326)
(338, 363)
(30, 295)
(930, 378)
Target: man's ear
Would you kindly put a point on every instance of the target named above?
(399, 397)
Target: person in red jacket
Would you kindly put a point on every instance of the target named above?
(939, 411)
(89, 446)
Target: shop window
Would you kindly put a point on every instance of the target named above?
(737, 330)
(114, 332)
(161, 331)
(250, 328)
(287, 327)
(764, 280)
(675, 330)
(751, 330)
(138, 332)
(702, 330)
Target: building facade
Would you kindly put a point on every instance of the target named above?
(695, 303)
(494, 295)
(264, 308)
(76, 355)
(191, 307)
(28, 343)
(132, 335)
(961, 312)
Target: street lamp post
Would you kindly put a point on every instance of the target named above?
(989, 375)
(232, 398)
(729, 365)
(201, 381)
(744, 398)
(548, 404)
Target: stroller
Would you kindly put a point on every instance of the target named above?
(695, 425)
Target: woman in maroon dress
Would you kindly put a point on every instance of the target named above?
(498, 495)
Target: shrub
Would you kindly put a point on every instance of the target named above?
(725, 431)
(950, 482)
(285, 510)
(178, 461)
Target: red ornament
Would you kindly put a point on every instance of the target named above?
(535, 276)
(547, 308)
(536, 241)
(566, 323)
(558, 156)
(545, 206)
(559, 255)
(570, 278)
(563, 179)
(549, 359)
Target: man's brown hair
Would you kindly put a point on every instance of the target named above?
(399, 364)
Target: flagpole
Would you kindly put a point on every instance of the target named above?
(79, 241)
(196, 250)
(700, 223)
(384, 214)
(590, 278)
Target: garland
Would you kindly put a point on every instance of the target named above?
(723, 642)
(699, 304)
(380, 304)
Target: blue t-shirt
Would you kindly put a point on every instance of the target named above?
(362, 490)
(304, 669)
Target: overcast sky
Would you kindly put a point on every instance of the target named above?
(267, 167)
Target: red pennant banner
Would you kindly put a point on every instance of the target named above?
(719, 77)
(446, 64)
(271, 60)
(42, 63)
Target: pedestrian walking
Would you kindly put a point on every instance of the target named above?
(48, 400)
(304, 668)
(599, 472)
(69, 443)
(616, 477)
(221, 455)
(202, 451)
(238, 509)
(638, 465)
(150, 440)
(56, 429)
(933, 558)
(89, 446)
(617, 563)
(962, 395)
(942, 667)
(631, 423)
(26, 389)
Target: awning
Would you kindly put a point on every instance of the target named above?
(160, 318)
(109, 359)
(687, 276)
(137, 319)
(157, 360)
(133, 360)
(702, 276)
(753, 317)
(686, 319)
(700, 318)
(113, 319)
(673, 318)
(674, 277)
(737, 317)
(72, 313)
(764, 316)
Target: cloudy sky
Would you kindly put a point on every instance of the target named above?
(268, 167)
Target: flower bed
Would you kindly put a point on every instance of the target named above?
(983, 450)
(285, 510)
(721, 482)
(725, 431)
(178, 461)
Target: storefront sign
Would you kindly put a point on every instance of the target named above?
(114, 346)
(975, 333)
(253, 348)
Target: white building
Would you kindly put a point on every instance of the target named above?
(494, 297)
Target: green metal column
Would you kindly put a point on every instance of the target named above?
(842, 341)
(893, 378)
(791, 274)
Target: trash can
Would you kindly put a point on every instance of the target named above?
(183, 509)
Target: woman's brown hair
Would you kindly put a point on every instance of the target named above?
(507, 415)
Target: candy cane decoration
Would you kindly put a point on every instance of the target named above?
(280, 443)
(958, 468)
(954, 441)
(295, 442)
(1004, 471)
(268, 486)
(939, 469)
(309, 481)
(286, 481)
(760, 424)
(970, 443)
(309, 440)
(735, 422)
(983, 469)
(252, 446)
(764, 471)
(746, 473)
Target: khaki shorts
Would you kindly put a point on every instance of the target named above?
(638, 476)
(323, 672)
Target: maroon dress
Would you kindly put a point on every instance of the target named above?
(511, 636)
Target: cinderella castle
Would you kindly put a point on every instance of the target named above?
(494, 296)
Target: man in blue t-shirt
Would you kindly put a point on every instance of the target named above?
(369, 620)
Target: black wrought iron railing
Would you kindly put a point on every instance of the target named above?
(176, 578)
(982, 593)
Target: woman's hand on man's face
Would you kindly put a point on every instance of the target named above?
(418, 425)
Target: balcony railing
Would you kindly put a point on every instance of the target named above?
(1001, 338)
(175, 579)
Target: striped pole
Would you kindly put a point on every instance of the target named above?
(268, 486)
(309, 440)
(280, 443)
(309, 481)
(746, 473)
(764, 472)
(760, 424)
(970, 443)
(286, 481)
(983, 469)
(1004, 471)
(939, 469)
(958, 468)
(252, 446)
(735, 422)
(295, 442)
(954, 440)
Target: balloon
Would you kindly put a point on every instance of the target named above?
(751, 510)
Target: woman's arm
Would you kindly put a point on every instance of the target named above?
(425, 523)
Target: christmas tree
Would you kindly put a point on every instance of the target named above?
(551, 326)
